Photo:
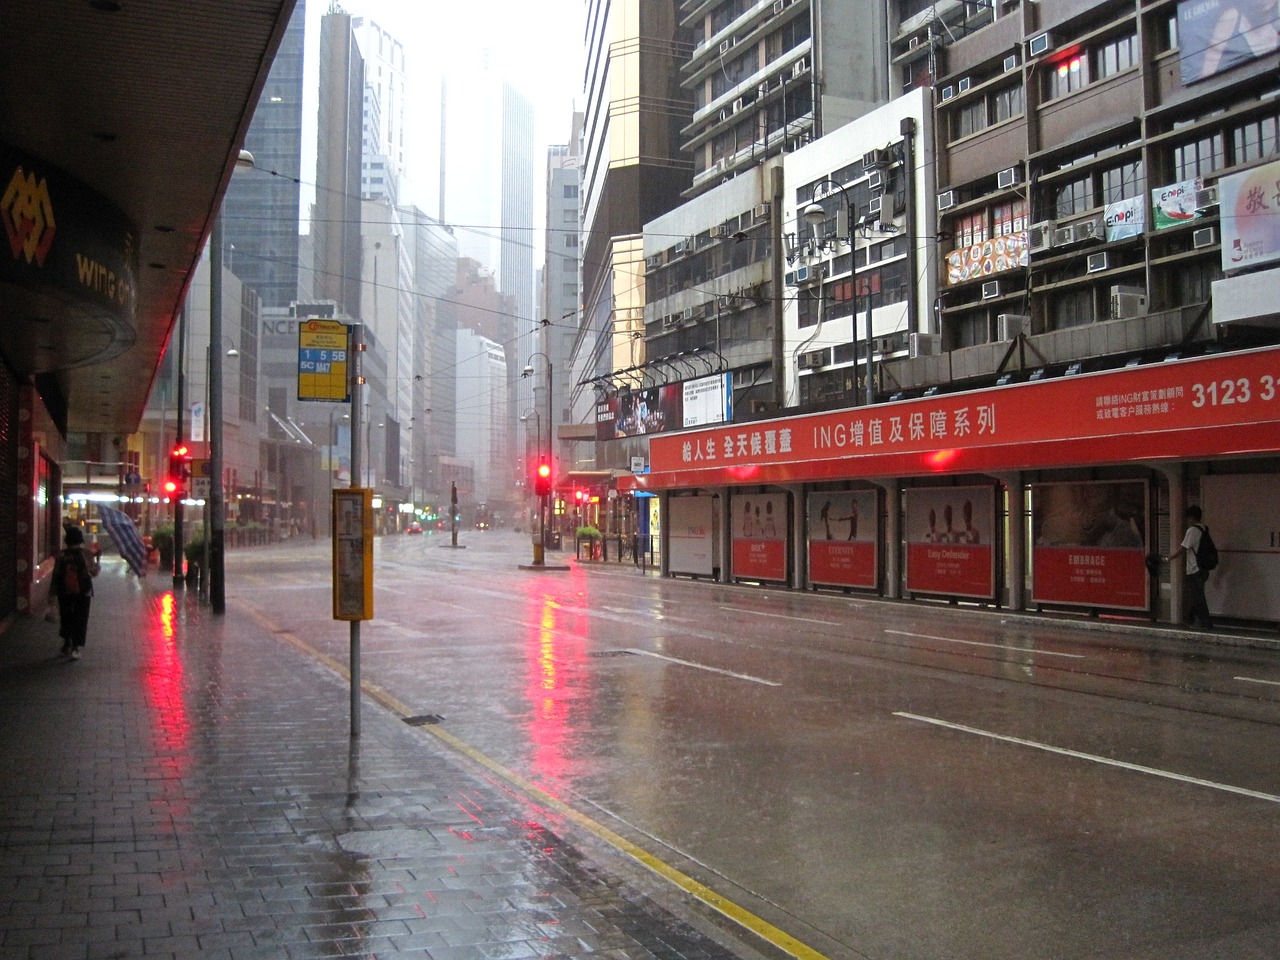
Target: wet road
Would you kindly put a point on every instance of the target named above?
(876, 779)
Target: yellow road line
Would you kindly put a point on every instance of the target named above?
(727, 908)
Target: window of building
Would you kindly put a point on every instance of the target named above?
(970, 229)
(570, 291)
(1067, 76)
(969, 330)
(1008, 103)
(1198, 158)
(1123, 182)
(571, 240)
(969, 119)
(1115, 56)
(571, 216)
(570, 191)
(1008, 218)
(1255, 140)
(1072, 308)
(1193, 281)
(1072, 197)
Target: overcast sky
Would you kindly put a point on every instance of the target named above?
(538, 44)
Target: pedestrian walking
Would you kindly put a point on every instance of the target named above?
(73, 574)
(1195, 575)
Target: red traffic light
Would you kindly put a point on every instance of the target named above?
(542, 479)
(175, 485)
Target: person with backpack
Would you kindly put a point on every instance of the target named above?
(73, 574)
(1202, 557)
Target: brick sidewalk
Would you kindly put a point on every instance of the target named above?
(188, 789)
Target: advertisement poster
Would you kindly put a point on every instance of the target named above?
(1216, 35)
(634, 413)
(1175, 204)
(1125, 218)
(1249, 207)
(692, 535)
(760, 536)
(1089, 544)
(949, 532)
(706, 400)
(988, 258)
(843, 538)
(1242, 512)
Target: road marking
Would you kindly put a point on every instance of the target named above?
(702, 666)
(1272, 683)
(995, 646)
(1107, 761)
(784, 616)
(740, 915)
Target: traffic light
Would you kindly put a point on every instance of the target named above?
(542, 479)
(175, 484)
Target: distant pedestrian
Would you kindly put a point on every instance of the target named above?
(73, 574)
(1194, 577)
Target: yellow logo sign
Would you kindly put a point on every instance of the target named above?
(28, 217)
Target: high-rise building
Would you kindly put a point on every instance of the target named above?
(383, 141)
(260, 212)
(483, 429)
(335, 226)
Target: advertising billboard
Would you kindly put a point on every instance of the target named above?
(1249, 208)
(844, 538)
(760, 536)
(1216, 35)
(1089, 544)
(949, 532)
(691, 533)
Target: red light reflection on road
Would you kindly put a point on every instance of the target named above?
(165, 695)
(556, 654)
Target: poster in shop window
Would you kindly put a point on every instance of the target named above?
(1089, 544)
(843, 538)
(691, 533)
(1242, 512)
(949, 532)
(760, 536)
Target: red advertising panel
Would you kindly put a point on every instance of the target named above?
(949, 535)
(760, 537)
(843, 538)
(1172, 410)
(1089, 544)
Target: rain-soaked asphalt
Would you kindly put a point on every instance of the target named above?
(876, 779)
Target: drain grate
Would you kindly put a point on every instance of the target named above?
(426, 719)
(602, 654)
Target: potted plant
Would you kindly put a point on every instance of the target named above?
(162, 541)
(194, 552)
(589, 537)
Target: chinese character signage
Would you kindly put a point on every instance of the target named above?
(1249, 206)
(323, 349)
(1090, 544)
(1216, 35)
(1175, 204)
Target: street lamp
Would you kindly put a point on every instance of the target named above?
(217, 584)
(814, 214)
(551, 426)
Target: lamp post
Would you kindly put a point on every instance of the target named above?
(814, 214)
(217, 584)
(551, 426)
(539, 553)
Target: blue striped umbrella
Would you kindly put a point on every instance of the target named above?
(126, 536)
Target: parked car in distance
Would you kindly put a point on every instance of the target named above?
(414, 527)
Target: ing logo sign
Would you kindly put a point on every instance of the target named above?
(27, 212)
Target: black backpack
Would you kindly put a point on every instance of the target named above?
(1207, 553)
(74, 578)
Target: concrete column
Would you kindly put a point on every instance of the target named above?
(799, 538)
(1015, 551)
(892, 536)
(1176, 478)
(664, 533)
(724, 534)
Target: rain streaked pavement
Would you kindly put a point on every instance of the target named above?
(608, 763)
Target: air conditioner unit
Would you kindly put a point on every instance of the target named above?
(1064, 236)
(1096, 263)
(1204, 237)
(653, 263)
(779, 6)
(948, 92)
(762, 90)
(990, 289)
(1128, 302)
(670, 321)
(963, 85)
(1011, 325)
(1040, 236)
(1011, 62)
(680, 247)
(1040, 45)
(724, 114)
(946, 200)
(875, 180)
(1008, 178)
(687, 313)
(1090, 230)
(813, 359)
(875, 158)
(1206, 198)
(800, 67)
(762, 211)
(924, 344)
(737, 105)
(724, 47)
(720, 230)
(885, 345)
(874, 206)
(913, 43)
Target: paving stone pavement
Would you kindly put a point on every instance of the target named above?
(189, 789)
